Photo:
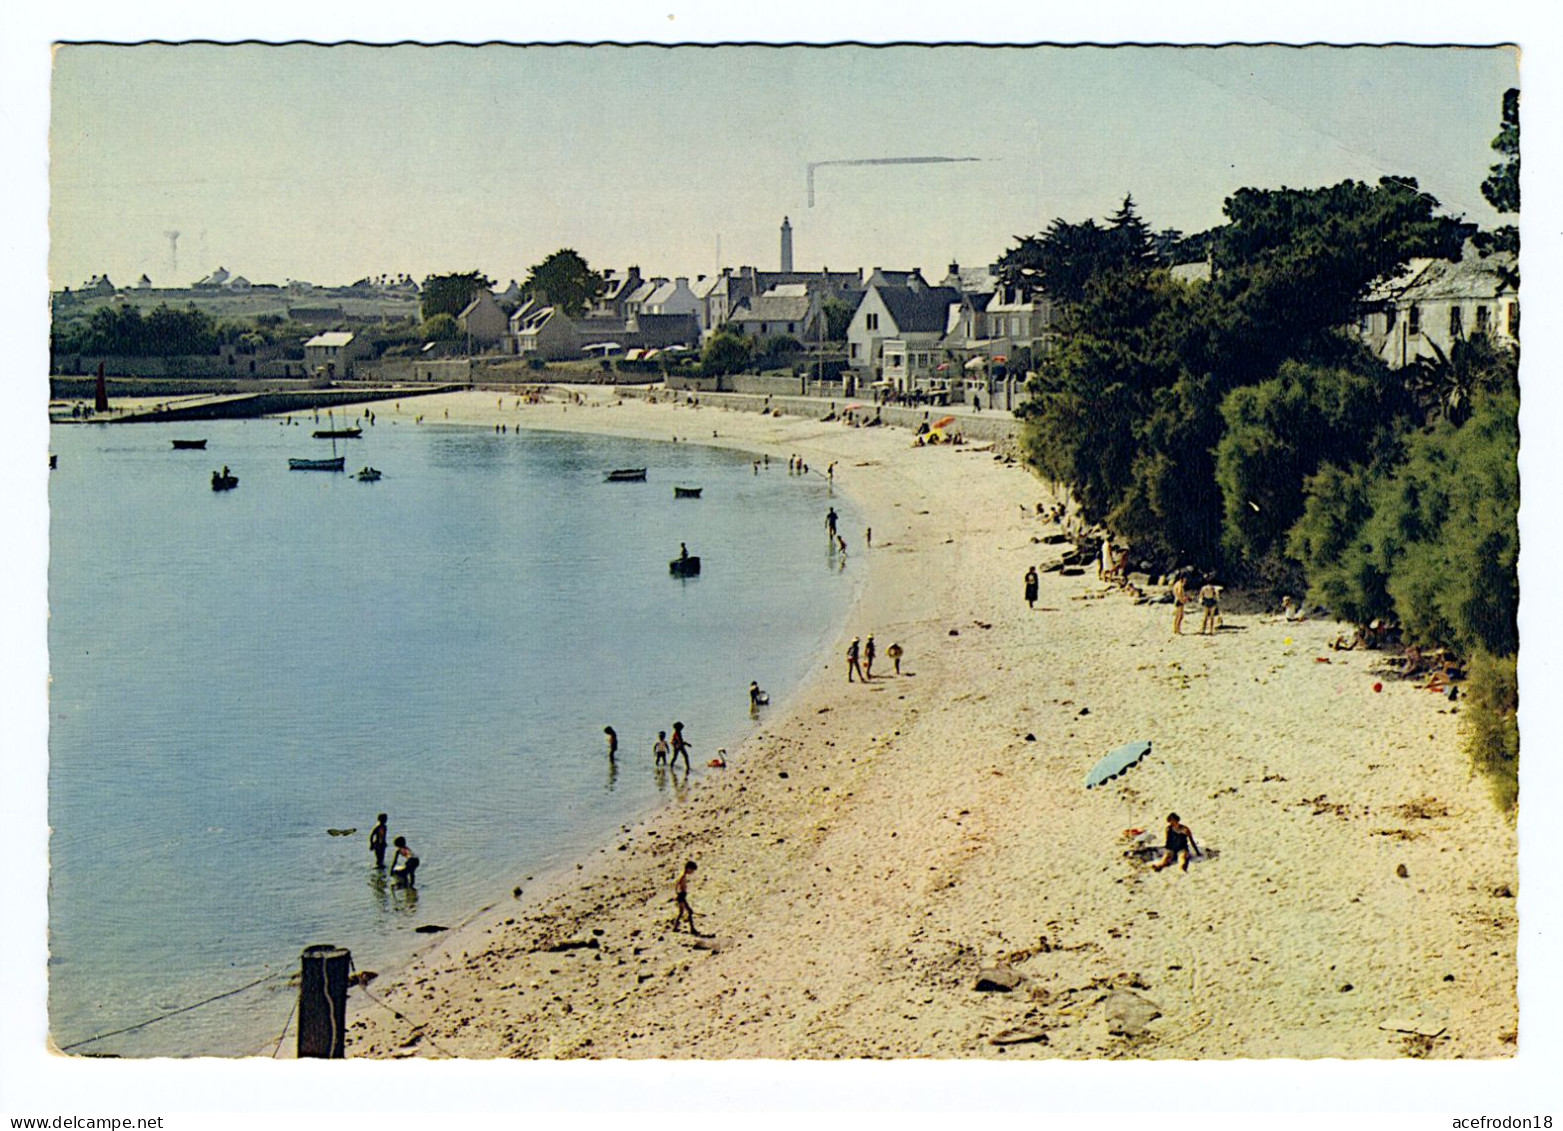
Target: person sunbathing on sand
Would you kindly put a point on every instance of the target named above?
(1180, 838)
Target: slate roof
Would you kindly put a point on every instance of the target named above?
(773, 307)
(919, 310)
(1432, 279)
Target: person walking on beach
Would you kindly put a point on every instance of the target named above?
(1031, 586)
(1209, 598)
(659, 748)
(1180, 600)
(377, 837)
(830, 523)
(613, 742)
(894, 652)
(681, 897)
(853, 651)
(1180, 838)
(680, 747)
(1104, 565)
(869, 652)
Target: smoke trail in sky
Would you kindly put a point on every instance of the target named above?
(880, 161)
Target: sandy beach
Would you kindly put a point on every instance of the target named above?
(878, 847)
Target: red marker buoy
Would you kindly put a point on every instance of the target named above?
(1378, 687)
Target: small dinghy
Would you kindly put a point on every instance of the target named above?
(687, 492)
(627, 475)
(369, 475)
(189, 445)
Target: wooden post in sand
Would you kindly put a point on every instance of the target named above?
(322, 1001)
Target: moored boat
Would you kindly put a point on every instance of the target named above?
(627, 475)
(189, 445)
(317, 464)
(368, 475)
(687, 492)
(337, 433)
(224, 480)
(684, 567)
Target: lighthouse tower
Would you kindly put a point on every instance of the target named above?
(786, 246)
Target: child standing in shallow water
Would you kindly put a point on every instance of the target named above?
(680, 747)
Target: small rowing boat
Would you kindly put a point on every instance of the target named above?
(189, 445)
(684, 567)
(224, 481)
(337, 433)
(369, 475)
(627, 475)
(317, 464)
(687, 492)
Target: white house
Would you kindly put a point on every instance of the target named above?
(790, 310)
(914, 316)
(1434, 303)
(483, 322)
(546, 333)
(671, 298)
(333, 353)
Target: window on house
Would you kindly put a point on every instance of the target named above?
(1481, 321)
(1414, 319)
(854, 349)
(871, 321)
(1456, 328)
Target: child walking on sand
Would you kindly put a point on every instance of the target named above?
(681, 897)
(660, 748)
(894, 652)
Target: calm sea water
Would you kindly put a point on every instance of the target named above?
(234, 674)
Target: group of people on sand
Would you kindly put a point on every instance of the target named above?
(1209, 601)
(404, 864)
(861, 654)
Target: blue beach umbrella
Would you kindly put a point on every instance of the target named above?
(1116, 763)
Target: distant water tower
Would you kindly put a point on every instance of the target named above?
(786, 245)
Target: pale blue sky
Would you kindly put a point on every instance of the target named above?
(329, 163)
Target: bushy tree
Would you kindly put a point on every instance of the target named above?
(1277, 433)
(443, 327)
(1431, 541)
(838, 318)
(727, 351)
(566, 281)
(451, 294)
